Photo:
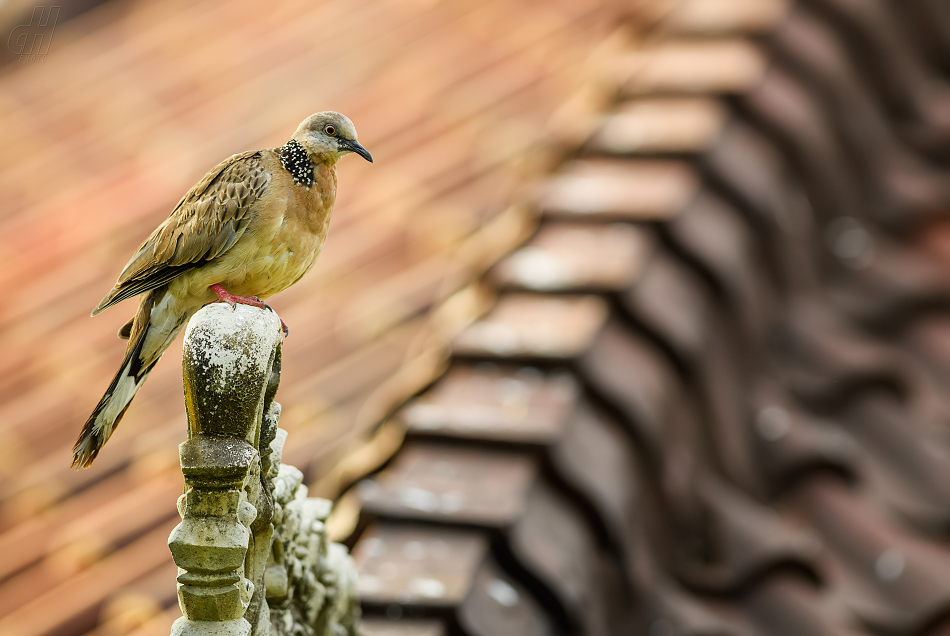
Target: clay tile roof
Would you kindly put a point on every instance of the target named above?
(752, 449)
(636, 325)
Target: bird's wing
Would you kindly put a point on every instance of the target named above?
(207, 221)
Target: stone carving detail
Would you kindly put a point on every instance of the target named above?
(252, 549)
(310, 582)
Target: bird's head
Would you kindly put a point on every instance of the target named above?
(328, 136)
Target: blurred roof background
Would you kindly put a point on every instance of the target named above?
(706, 397)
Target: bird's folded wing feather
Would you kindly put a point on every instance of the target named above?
(207, 221)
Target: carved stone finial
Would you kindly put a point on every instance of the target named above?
(227, 362)
(236, 575)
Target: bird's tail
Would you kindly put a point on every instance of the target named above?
(126, 383)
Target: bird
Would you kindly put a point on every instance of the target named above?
(249, 229)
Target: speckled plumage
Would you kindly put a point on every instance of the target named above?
(255, 224)
(297, 162)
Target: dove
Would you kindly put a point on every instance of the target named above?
(249, 229)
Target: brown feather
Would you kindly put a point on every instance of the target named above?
(205, 224)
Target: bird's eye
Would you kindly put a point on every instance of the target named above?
(329, 129)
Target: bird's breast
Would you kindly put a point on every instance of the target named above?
(283, 242)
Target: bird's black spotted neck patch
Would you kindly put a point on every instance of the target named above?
(297, 162)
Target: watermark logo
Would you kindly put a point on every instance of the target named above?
(30, 42)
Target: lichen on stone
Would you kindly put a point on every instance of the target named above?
(311, 588)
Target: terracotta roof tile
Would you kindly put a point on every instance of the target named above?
(661, 126)
(692, 67)
(535, 327)
(642, 191)
(577, 257)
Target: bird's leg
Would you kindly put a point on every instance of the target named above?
(226, 297)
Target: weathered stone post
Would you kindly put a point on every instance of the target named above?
(243, 510)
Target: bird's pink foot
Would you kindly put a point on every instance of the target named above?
(226, 297)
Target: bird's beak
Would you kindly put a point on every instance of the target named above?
(355, 146)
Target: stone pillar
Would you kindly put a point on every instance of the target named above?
(233, 568)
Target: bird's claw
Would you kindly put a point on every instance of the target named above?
(226, 297)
